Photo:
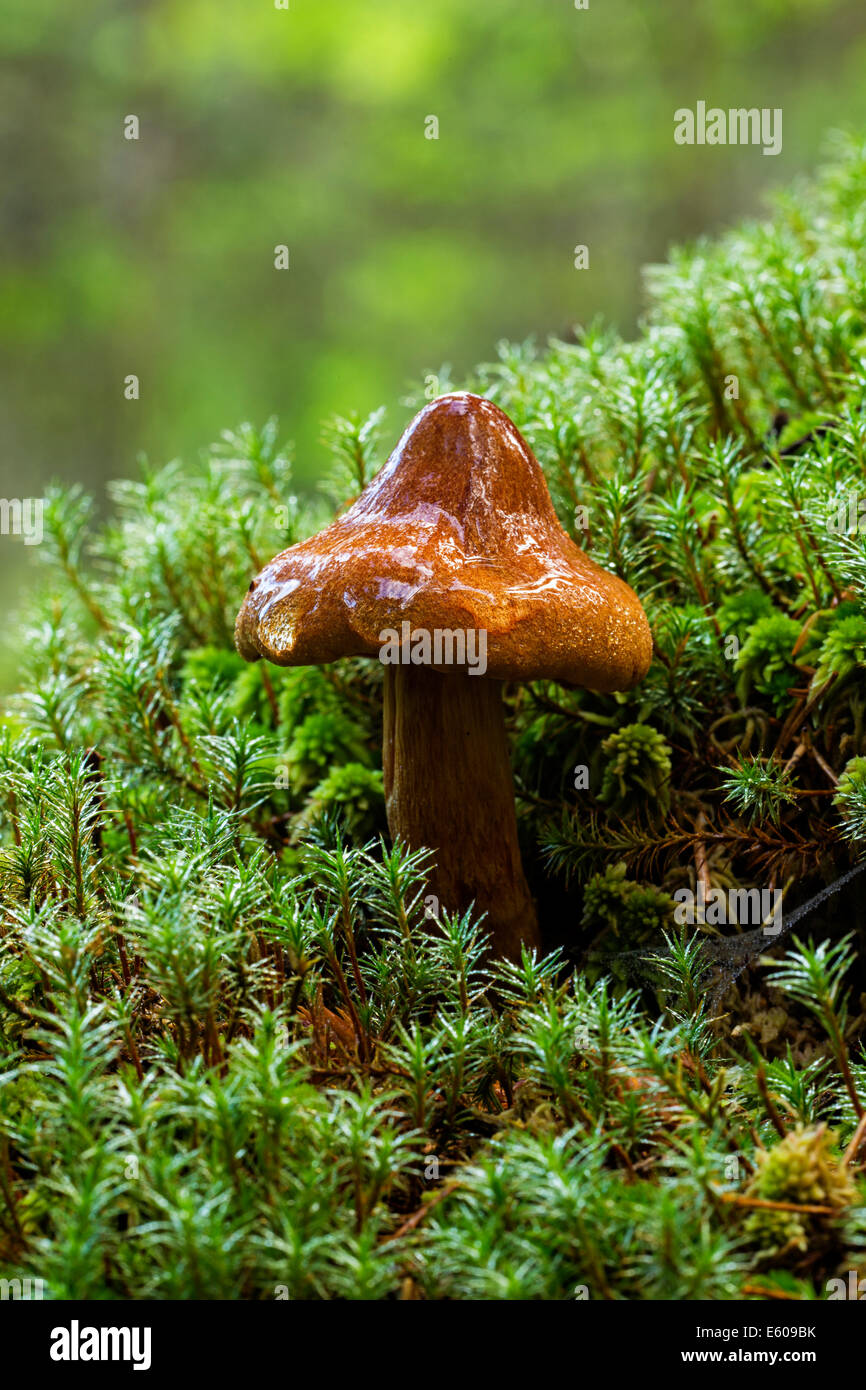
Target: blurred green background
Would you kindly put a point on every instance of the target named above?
(306, 126)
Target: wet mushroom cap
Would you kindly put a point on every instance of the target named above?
(457, 531)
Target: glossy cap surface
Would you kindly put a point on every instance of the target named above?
(457, 531)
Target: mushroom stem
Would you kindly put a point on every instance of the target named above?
(448, 786)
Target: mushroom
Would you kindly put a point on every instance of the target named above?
(452, 567)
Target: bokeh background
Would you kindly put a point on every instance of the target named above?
(306, 127)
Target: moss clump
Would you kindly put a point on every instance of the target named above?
(637, 771)
(803, 1169)
(850, 798)
(766, 663)
(636, 912)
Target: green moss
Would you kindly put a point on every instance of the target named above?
(637, 770)
(802, 1170)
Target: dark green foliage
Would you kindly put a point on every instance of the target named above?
(632, 911)
(637, 770)
(851, 799)
(765, 665)
(244, 1054)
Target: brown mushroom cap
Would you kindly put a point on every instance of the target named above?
(457, 531)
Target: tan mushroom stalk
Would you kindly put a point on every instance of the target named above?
(453, 569)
